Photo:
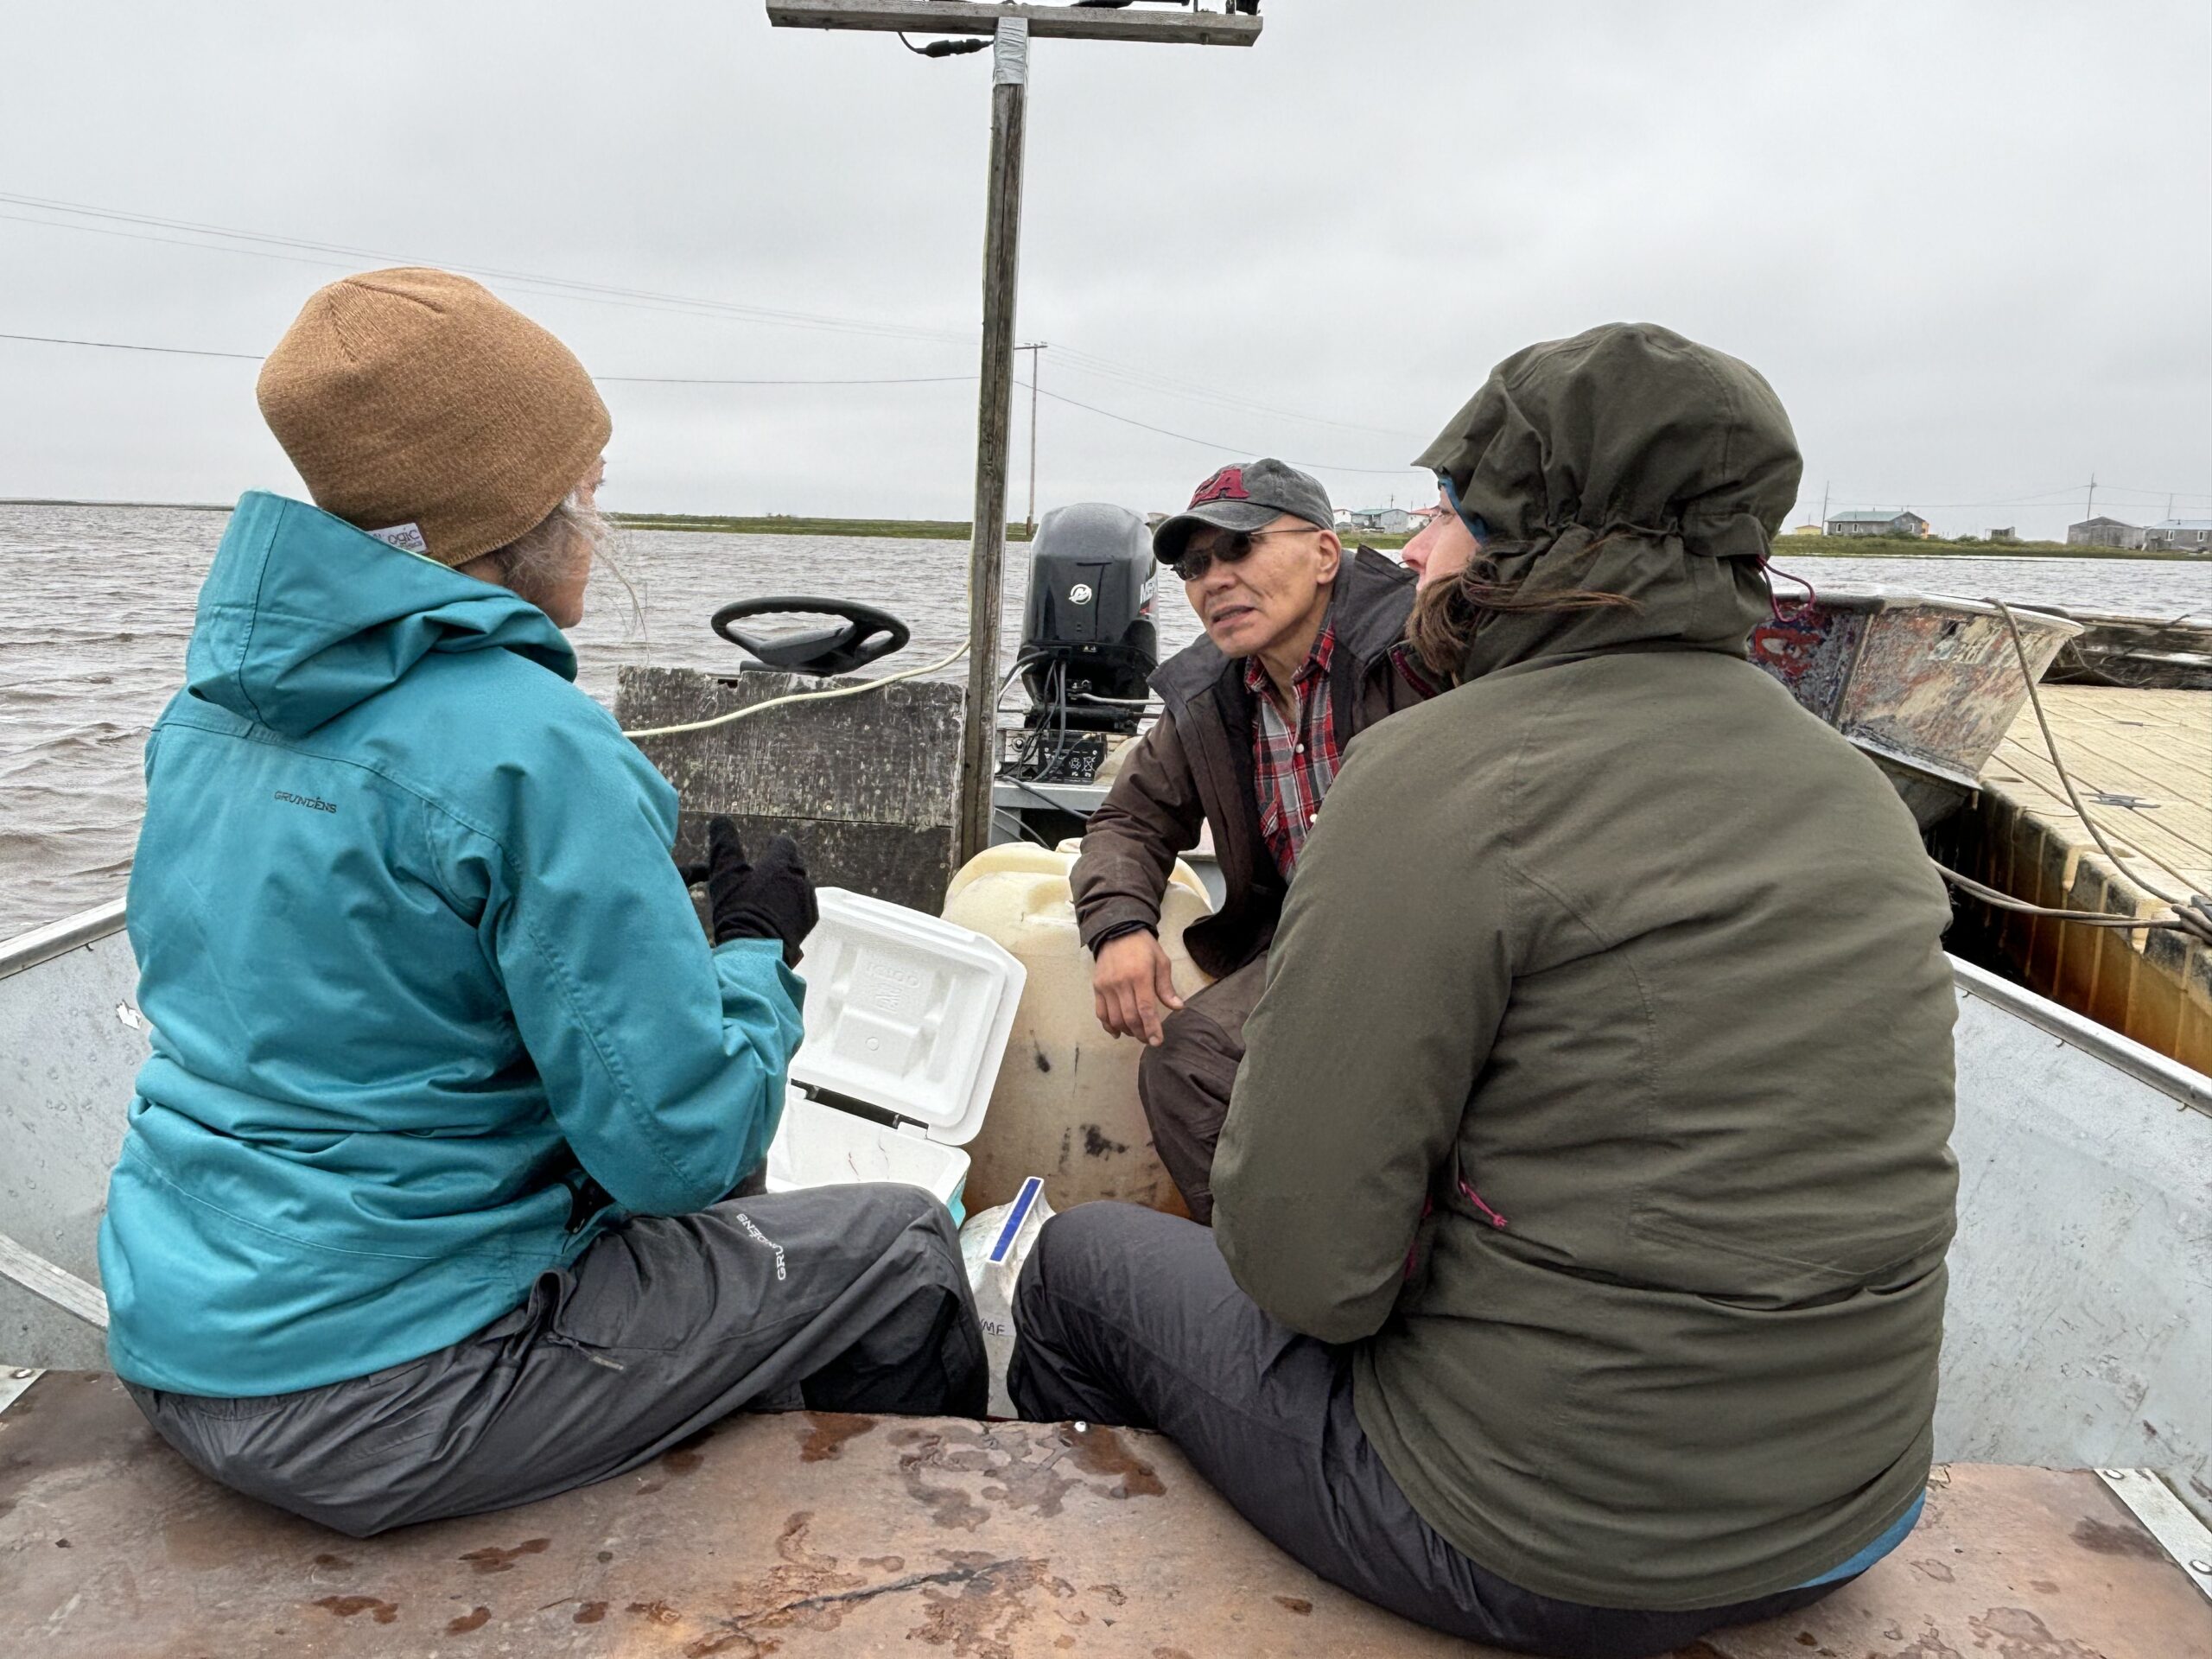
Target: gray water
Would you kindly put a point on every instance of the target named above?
(96, 604)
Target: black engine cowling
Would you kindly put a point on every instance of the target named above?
(1088, 631)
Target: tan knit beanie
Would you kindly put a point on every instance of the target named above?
(420, 408)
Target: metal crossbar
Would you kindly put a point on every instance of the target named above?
(52, 1284)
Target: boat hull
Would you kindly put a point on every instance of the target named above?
(2085, 1217)
(1926, 686)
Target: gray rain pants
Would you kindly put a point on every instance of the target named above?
(839, 1299)
(1130, 1317)
(1184, 1084)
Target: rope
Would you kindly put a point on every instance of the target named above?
(2192, 915)
(799, 696)
(1998, 901)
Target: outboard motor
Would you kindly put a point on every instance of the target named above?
(1088, 642)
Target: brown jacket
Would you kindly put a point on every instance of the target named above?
(1194, 768)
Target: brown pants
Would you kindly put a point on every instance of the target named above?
(1184, 1083)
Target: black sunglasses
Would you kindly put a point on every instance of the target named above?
(1233, 547)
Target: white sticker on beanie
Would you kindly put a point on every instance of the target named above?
(408, 538)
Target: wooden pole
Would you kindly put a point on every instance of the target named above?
(1029, 522)
(1001, 265)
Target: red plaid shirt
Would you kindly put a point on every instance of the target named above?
(1293, 762)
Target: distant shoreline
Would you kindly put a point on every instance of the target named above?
(777, 524)
(61, 501)
(1936, 547)
(949, 530)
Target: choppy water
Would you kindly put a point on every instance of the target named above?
(96, 604)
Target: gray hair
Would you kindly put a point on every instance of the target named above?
(541, 554)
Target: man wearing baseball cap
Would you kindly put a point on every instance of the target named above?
(1302, 651)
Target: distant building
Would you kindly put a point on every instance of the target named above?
(2007, 534)
(1878, 523)
(1383, 521)
(2103, 532)
(2180, 536)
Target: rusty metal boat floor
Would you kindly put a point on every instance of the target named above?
(808, 1535)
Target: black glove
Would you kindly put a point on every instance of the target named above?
(772, 899)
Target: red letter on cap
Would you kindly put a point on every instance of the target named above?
(1228, 484)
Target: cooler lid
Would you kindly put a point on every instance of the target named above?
(905, 1012)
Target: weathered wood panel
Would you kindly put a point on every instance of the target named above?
(866, 785)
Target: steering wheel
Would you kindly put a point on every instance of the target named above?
(862, 634)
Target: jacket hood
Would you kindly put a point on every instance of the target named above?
(302, 616)
(1625, 460)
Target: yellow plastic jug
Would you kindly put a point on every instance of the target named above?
(1065, 1107)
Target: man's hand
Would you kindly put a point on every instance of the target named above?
(1131, 981)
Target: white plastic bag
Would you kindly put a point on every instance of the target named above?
(992, 1245)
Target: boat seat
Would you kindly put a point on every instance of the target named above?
(808, 1535)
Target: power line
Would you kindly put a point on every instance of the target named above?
(1106, 368)
(148, 226)
(119, 346)
(1218, 447)
(700, 380)
(534, 282)
(2123, 489)
(2041, 498)
(630, 379)
(705, 380)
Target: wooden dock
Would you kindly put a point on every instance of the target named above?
(2142, 761)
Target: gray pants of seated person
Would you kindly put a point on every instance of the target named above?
(840, 1299)
(1131, 1318)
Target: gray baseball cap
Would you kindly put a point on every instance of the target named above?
(1248, 497)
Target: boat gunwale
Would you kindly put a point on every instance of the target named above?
(2186, 1086)
(2169, 1076)
(1871, 598)
(57, 938)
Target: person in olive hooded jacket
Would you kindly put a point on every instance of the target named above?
(1577, 1278)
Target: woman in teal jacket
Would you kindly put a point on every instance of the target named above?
(424, 1205)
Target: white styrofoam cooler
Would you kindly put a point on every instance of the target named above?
(905, 1015)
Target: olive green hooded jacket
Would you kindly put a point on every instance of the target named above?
(1601, 1089)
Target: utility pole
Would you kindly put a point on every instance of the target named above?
(1030, 523)
(1824, 506)
(1011, 28)
(2090, 511)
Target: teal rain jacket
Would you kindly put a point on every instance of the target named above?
(419, 969)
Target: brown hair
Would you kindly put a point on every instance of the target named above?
(1447, 613)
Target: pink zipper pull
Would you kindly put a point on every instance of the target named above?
(1476, 1198)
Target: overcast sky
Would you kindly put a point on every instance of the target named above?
(1970, 243)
